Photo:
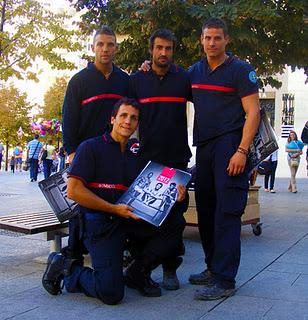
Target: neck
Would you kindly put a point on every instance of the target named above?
(216, 61)
(105, 69)
(159, 70)
(120, 139)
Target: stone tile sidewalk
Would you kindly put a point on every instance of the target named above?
(272, 281)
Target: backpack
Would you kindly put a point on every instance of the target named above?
(44, 154)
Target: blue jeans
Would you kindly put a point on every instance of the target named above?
(47, 163)
(33, 169)
(62, 163)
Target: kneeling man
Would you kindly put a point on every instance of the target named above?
(103, 168)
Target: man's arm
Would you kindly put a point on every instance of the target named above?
(77, 191)
(251, 107)
(71, 117)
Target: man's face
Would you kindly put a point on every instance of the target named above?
(162, 52)
(125, 122)
(214, 42)
(105, 48)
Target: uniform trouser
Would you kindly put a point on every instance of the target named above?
(220, 201)
(105, 238)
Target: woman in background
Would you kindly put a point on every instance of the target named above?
(294, 149)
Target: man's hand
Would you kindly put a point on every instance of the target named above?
(237, 164)
(181, 193)
(71, 158)
(125, 211)
(146, 66)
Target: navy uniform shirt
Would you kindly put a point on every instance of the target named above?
(103, 168)
(217, 97)
(163, 123)
(88, 103)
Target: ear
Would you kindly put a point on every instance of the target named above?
(228, 39)
(92, 47)
(112, 120)
(201, 38)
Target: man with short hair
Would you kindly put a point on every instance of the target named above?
(107, 225)
(227, 115)
(33, 151)
(89, 100)
(163, 92)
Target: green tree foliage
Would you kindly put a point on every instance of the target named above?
(14, 113)
(29, 31)
(53, 100)
(268, 33)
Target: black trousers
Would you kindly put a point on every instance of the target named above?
(105, 238)
(271, 176)
(220, 201)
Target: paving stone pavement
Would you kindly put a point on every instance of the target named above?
(272, 281)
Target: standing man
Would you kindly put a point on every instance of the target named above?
(33, 151)
(163, 93)
(89, 100)
(107, 225)
(227, 115)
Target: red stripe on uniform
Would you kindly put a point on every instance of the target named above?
(101, 96)
(98, 185)
(211, 87)
(162, 99)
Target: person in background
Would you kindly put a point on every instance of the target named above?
(47, 162)
(1, 153)
(18, 158)
(62, 157)
(270, 177)
(33, 151)
(294, 149)
(304, 138)
(12, 164)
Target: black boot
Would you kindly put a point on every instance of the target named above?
(137, 277)
(170, 278)
(58, 266)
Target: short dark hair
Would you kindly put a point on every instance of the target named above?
(164, 34)
(36, 136)
(105, 30)
(215, 23)
(127, 102)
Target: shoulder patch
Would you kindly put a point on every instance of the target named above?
(253, 76)
(134, 147)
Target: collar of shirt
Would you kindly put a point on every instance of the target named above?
(173, 69)
(92, 67)
(108, 138)
(225, 63)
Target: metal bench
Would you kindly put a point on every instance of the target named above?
(37, 222)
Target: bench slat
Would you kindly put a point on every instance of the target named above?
(32, 223)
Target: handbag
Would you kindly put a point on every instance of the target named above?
(264, 167)
(44, 155)
(294, 162)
